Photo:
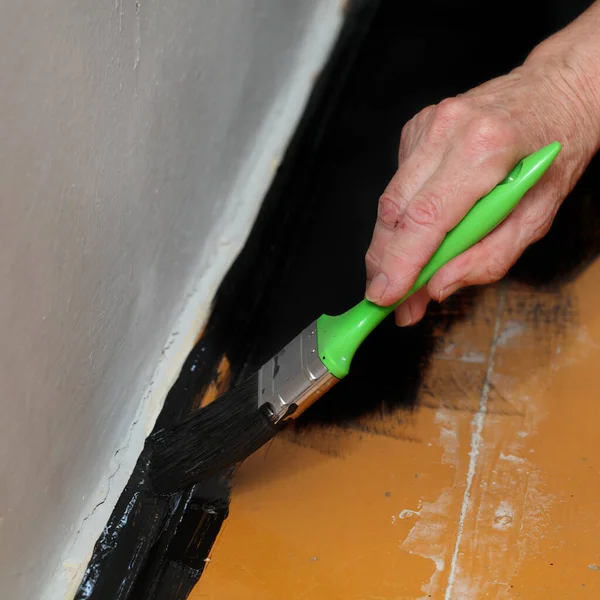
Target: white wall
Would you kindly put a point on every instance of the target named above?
(136, 142)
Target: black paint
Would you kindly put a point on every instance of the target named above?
(226, 431)
(305, 257)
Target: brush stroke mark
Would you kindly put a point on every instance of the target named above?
(476, 442)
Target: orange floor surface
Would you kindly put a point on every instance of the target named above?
(489, 488)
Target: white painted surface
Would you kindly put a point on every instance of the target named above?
(136, 142)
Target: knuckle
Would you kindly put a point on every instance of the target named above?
(445, 117)
(388, 210)
(372, 259)
(403, 148)
(451, 110)
(539, 226)
(489, 133)
(495, 269)
(407, 129)
(401, 263)
(406, 140)
(424, 212)
(423, 116)
(409, 135)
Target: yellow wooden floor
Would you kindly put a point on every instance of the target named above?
(489, 489)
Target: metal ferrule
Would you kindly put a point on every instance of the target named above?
(294, 378)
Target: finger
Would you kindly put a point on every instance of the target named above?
(490, 260)
(415, 169)
(463, 177)
(419, 156)
(412, 310)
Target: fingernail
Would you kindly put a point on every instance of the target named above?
(404, 315)
(448, 291)
(377, 288)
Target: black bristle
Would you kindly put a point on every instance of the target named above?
(220, 435)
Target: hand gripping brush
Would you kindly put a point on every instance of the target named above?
(240, 421)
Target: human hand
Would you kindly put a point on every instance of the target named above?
(454, 153)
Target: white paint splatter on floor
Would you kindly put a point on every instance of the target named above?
(476, 443)
(503, 517)
(427, 537)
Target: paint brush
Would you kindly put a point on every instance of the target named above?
(240, 421)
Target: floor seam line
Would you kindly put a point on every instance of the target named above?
(476, 440)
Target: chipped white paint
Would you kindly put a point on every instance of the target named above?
(512, 458)
(448, 353)
(510, 333)
(406, 513)
(508, 513)
(470, 357)
(140, 138)
(476, 443)
(427, 538)
(585, 340)
(535, 517)
(505, 506)
(580, 346)
(503, 517)
(446, 420)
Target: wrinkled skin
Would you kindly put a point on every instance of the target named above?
(455, 152)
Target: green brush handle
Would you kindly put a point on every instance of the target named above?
(339, 337)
